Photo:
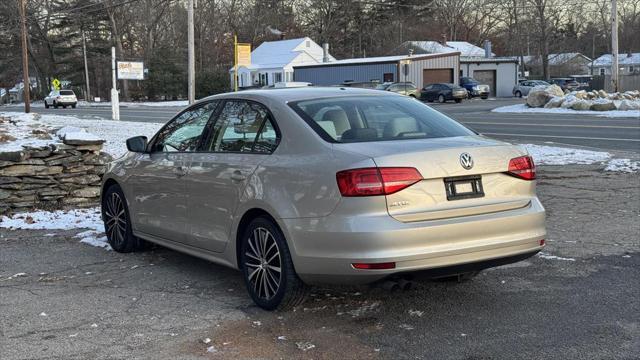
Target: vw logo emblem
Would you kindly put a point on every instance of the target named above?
(466, 161)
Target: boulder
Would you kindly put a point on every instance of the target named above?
(581, 94)
(540, 95)
(555, 102)
(629, 105)
(581, 105)
(568, 101)
(602, 105)
(602, 93)
(30, 170)
(87, 192)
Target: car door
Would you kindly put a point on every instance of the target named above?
(427, 93)
(242, 136)
(159, 201)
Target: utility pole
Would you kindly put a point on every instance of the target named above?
(191, 60)
(115, 102)
(86, 68)
(25, 58)
(614, 46)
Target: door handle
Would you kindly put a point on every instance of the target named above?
(180, 171)
(237, 176)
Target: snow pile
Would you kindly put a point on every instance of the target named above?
(523, 108)
(113, 132)
(62, 220)
(623, 165)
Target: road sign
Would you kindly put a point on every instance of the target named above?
(56, 84)
(130, 70)
(244, 54)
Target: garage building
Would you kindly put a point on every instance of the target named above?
(500, 73)
(418, 69)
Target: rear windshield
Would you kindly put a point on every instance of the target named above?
(376, 118)
(66, 92)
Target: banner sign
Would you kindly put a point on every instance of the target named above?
(130, 70)
(56, 84)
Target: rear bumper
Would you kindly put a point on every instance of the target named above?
(323, 249)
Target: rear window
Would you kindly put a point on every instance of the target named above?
(66, 92)
(376, 118)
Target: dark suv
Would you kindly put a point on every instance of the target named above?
(474, 88)
(566, 84)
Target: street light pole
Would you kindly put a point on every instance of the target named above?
(191, 51)
(86, 68)
(25, 59)
(115, 101)
(614, 46)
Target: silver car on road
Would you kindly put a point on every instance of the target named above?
(324, 185)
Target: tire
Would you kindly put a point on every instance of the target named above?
(46, 106)
(269, 288)
(441, 99)
(119, 233)
(73, 106)
(458, 101)
(484, 97)
(64, 106)
(518, 94)
(413, 96)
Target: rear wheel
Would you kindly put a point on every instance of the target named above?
(518, 94)
(117, 223)
(267, 268)
(73, 106)
(441, 98)
(46, 106)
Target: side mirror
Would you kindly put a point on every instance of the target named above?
(137, 144)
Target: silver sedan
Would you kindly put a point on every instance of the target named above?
(324, 185)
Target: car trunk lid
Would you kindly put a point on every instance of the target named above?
(440, 163)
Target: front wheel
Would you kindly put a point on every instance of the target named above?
(518, 94)
(117, 222)
(441, 99)
(458, 101)
(267, 267)
(46, 106)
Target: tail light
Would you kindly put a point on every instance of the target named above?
(522, 167)
(376, 181)
(374, 266)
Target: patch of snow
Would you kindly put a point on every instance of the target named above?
(522, 108)
(364, 309)
(62, 220)
(211, 349)
(553, 257)
(43, 314)
(406, 327)
(206, 341)
(623, 165)
(282, 338)
(554, 155)
(417, 313)
(305, 345)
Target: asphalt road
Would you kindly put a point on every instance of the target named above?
(621, 134)
(577, 301)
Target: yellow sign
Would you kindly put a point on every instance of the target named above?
(244, 54)
(56, 84)
(241, 57)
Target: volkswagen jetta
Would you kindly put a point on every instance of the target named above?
(324, 185)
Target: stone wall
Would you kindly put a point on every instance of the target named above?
(62, 172)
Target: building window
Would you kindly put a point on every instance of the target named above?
(602, 71)
(288, 76)
(631, 69)
(277, 77)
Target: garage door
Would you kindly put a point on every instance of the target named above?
(486, 77)
(432, 76)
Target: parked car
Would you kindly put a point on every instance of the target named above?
(377, 186)
(403, 88)
(584, 81)
(443, 92)
(360, 84)
(566, 84)
(523, 88)
(474, 88)
(62, 98)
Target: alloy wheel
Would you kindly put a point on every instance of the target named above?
(263, 263)
(116, 219)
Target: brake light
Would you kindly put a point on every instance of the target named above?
(374, 266)
(522, 167)
(376, 181)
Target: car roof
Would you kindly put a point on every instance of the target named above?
(297, 94)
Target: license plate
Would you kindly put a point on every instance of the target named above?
(463, 187)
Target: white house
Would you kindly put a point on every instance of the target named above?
(628, 63)
(273, 61)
